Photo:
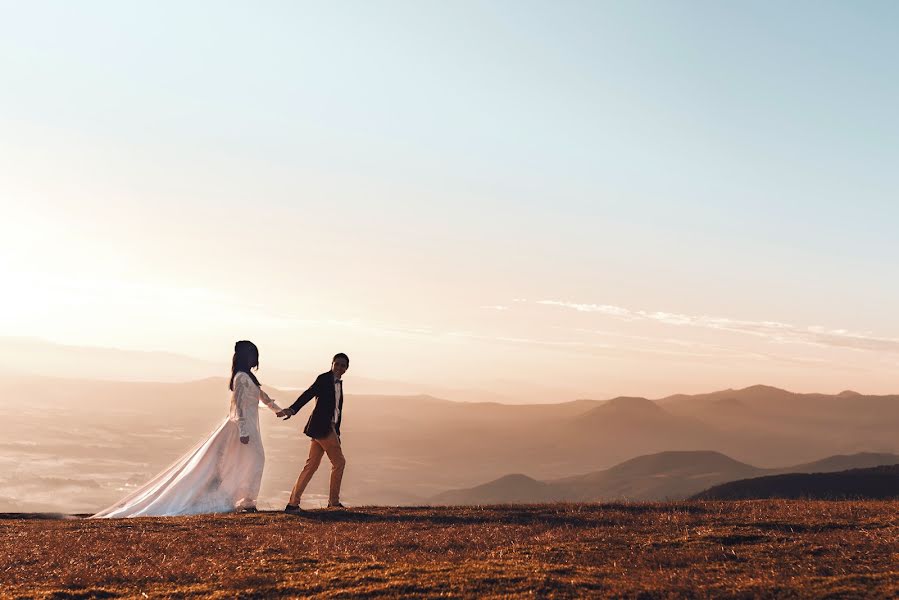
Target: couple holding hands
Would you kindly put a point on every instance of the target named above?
(223, 472)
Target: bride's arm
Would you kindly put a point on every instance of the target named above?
(243, 389)
(266, 399)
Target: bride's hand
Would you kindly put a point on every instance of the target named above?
(245, 439)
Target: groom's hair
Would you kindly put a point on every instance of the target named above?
(343, 356)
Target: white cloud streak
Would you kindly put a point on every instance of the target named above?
(771, 330)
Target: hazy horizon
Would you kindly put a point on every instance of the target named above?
(120, 366)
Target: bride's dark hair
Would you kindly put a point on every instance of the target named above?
(246, 358)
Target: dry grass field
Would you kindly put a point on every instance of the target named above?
(753, 549)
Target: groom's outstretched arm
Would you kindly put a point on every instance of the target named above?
(304, 398)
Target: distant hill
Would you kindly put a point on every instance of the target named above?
(876, 483)
(661, 476)
(28, 356)
(610, 432)
(39, 357)
(665, 475)
(843, 462)
(771, 427)
(511, 489)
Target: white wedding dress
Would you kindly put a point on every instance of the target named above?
(220, 474)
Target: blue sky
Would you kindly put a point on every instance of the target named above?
(426, 159)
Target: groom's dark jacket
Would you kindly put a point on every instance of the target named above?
(319, 424)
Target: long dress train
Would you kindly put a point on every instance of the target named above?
(219, 474)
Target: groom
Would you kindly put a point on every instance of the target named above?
(324, 429)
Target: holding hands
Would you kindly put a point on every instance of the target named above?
(286, 413)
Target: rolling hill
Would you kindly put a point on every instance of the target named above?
(876, 483)
(662, 476)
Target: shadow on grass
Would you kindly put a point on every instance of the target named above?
(507, 514)
(523, 514)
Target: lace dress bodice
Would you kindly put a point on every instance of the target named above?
(245, 405)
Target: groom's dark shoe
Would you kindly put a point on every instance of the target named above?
(248, 509)
(293, 509)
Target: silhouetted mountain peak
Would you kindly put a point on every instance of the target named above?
(683, 460)
(630, 404)
(620, 410)
(848, 394)
(760, 388)
(507, 489)
(514, 478)
(515, 483)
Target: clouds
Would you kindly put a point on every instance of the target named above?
(772, 331)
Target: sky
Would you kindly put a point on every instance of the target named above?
(547, 199)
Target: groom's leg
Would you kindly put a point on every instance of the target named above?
(315, 458)
(331, 444)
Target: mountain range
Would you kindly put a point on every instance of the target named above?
(661, 476)
(77, 443)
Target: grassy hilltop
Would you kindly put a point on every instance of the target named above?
(749, 549)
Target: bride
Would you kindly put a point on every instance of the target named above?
(223, 472)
